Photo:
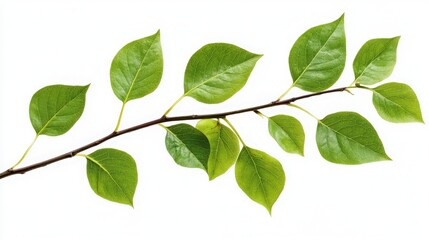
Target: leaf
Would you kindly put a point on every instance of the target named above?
(224, 146)
(112, 175)
(318, 57)
(375, 60)
(217, 71)
(188, 146)
(55, 109)
(260, 176)
(137, 68)
(288, 133)
(397, 102)
(348, 138)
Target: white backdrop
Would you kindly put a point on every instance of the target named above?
(73, 42)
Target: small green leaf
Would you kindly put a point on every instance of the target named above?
(260, 176)
(318, 57)
(55, 109)
(288, 133)
(112, 175)
(375, 60)
(224, 146)
(348, 138)
(217, 71)
(188, 146)
(137, 68)
(397, 102)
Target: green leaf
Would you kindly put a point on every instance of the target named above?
(137, 68)
(318, 57)
(55, 109)
(288, 133)
(375, 60)
(397, 102)
(188, 146)
(112, 175)
(224, 146)
(217, 71)
(260, 176)
(348, 138)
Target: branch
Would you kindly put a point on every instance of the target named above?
(163, 119)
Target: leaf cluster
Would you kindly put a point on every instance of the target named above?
(214, 74)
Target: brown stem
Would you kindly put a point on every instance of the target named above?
(162, 119)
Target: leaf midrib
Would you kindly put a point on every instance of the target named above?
(259, 176)
(315, 56)
(172, 133)
(394, 103)
(218, 74)
(138, 71)
(111, 177)
(54, 116)
(320, 121)
(373, 60)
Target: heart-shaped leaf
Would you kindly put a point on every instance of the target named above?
(318, 57)
(55, 109)
(112, 175)
(348, 138)
(137, 68)
(260, 176)
(217, 71)
(375, 60)
(397, 102)
(188, 146)
(224, 146)
(288, 133)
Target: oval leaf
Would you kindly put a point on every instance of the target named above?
(318, 57)
(224, 146)
(288, 133)
(217, 71)
(260, 176)
(112, 175)
(375, 60)
(137, 68)
(348, 138)
(397, 102)
(55, 109)
(188, 146)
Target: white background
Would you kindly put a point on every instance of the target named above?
(73, 42)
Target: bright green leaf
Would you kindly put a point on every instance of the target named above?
(375, 60)
(55, 109)
(288, 133)
(188, 146)
(348, 138)
(397, 102)
(137, 68)
(224, 146)
(260, 176)
(112, 175)
(217, 71)
(318, 57)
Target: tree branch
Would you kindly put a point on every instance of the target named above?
(162, 119)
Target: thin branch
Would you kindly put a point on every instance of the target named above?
(162, 119)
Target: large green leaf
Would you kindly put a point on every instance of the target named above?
(318, 57)
(348, 138)
(288, 133)
(375, 60)
(112, 175)
(224, 146)
(55, 109)
(188, 146)
(137, 68)
(260, 176)
(397, 102)
(217, 71)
